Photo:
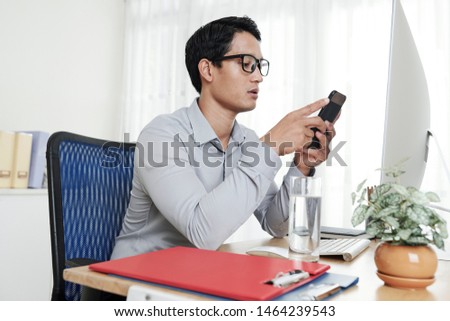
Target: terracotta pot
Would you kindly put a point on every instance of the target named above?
(406, 266)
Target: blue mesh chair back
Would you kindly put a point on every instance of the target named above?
(89, 182)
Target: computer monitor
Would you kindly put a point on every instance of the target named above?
(407, 105)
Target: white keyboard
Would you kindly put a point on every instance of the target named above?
(329, 230)
(349, 248)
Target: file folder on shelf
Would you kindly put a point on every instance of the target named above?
(7, 139)
(37, 162)
(22, 157)
(228, 275)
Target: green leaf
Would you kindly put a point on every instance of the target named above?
(395, 170)
(442, 227)
(387, 238)
(418, 214)
(383, 189)
(438, 241)
(360, 185)
(353, 198)
(391, 199)
(359, 214)
(402, 190)
(388, 211)
(432, 197)
(372, 212)
(392, 221)
(375, 228)
(436, 216)
(418, 198)
(418, 240)
(362, 197)
(404, 234)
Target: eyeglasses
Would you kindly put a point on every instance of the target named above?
(249, 63)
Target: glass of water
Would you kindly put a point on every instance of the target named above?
(304, 218)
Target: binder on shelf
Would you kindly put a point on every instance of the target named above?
(22, 157)
(7, 140)
(223, 274)
(37, 161)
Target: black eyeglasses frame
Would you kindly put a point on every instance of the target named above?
(253, 68)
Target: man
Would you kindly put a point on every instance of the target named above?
(199, 175)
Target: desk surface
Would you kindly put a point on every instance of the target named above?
(369, 288)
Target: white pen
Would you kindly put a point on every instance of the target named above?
(289, 278)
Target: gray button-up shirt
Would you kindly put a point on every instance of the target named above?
(188, 191)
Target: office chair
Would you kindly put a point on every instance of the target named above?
(89, 183)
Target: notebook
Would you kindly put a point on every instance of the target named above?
(223, 274)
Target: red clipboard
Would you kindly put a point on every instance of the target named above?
(228, 275)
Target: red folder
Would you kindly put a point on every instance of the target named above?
(229, 275)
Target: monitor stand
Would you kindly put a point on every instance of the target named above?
(444, 164)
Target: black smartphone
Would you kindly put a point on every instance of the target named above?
(329, 112)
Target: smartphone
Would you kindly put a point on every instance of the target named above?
(329, 112)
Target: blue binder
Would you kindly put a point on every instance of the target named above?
(37, 162)
(310, 291)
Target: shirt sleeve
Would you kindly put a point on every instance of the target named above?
(205, 218)
(273, 212)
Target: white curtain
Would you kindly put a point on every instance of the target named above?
(314, 46)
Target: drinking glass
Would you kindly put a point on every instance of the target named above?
(304, 218)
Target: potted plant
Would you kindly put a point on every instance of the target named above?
(398, 216)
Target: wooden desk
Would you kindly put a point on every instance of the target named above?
(369, 288)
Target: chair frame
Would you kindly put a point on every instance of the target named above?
(56, 203)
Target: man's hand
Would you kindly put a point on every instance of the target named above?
(310, 158)
(293, 133)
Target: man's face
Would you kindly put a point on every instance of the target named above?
(233, 88)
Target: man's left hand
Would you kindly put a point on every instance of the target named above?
(308, 158)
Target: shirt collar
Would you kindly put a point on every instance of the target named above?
(203, 131)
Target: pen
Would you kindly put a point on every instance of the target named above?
(285, 279)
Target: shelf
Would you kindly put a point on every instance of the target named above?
(25, 237)
(23, 191)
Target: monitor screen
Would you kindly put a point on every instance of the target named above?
(407, 107)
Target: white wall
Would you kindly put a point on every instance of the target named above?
(61, 65)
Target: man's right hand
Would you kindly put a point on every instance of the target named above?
(294, 132)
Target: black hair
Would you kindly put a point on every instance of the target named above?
(212, 41)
